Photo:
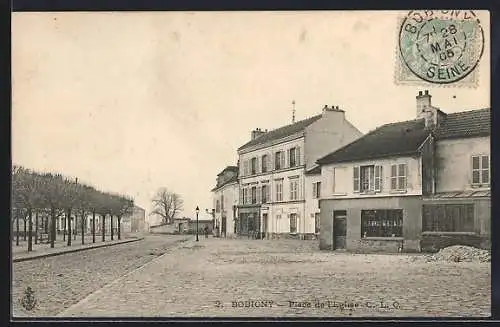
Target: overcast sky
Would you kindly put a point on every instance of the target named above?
(129, 102)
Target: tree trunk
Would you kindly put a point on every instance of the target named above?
(119, 227)
(93, 226)
(30, 236)
(103, 227)
(75, 230)
(17, 231)
(83, 226)
(25, 229)
(36, 226)
(111, 227)
(53, 227)
(64, 221)
(69, 227)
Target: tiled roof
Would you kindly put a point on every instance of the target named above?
(461, 194)
(465, 124)
(232, 168)
(404, 138)
(314, 170)
(281, 132)
(388, 140)
(229, 181)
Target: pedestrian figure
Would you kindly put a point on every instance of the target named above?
(206, 231)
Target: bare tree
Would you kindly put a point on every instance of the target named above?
(167, 205)
(125, 206)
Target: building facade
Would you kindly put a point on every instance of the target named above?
(225, 201)
(410, 186)
(275, 193)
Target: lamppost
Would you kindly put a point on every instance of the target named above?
(197, 211)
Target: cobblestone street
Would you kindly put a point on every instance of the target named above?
(63, 280)
(217, 277)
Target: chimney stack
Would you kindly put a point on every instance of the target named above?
(423, 102)
(256, 133)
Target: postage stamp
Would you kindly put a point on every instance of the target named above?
(440, 47)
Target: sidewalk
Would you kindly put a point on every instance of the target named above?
(20, 253)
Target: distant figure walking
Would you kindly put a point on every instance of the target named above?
(206, 231)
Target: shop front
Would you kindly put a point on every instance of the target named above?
(248, 223)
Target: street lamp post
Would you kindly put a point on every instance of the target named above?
(197, 211)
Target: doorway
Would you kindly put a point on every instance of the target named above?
(339, 229)
(223, 226)
(264, 225)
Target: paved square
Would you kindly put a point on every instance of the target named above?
(290, 278)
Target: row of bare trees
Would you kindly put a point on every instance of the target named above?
(50, 196)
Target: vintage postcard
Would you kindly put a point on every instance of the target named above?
(251, 164)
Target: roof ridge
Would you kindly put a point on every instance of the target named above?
(286, 130)
(297, 122)
(468, 111)
(400, 122)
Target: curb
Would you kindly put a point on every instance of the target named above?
(116, 281)
(73, 250)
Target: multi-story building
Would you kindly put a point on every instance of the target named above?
(409, 185)
(225, 198)
(276, 194)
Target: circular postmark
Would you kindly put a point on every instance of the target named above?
(441, 46)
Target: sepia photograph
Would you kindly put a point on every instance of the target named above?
(251, 164)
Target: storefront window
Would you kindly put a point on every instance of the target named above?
(382, 223)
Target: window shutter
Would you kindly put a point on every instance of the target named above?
(257, 165)
(407, 178)
(333, 180)
(356, 179)
(297, 155)
(283, 159)
(299, 189)
(378, 178)
(258, 194)
(315, 194)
